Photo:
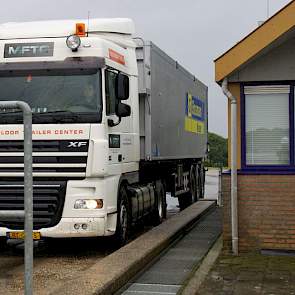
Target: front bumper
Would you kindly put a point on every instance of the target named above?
(100, 222)
(65, 228)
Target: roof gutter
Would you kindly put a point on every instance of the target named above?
(234, 183)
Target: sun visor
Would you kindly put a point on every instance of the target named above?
(73, 65)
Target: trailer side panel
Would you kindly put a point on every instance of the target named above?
(174, 104)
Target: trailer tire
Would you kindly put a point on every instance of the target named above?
(123, 218)
(201, 181)
(188, 198)
(160, 212)
(193, 185)
(3, 244)
(183, 201)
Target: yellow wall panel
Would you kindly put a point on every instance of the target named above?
(234, 88)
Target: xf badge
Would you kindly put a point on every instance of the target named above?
(77, 144)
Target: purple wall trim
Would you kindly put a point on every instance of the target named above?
(261, 172)
(291, 122)
(243, 126)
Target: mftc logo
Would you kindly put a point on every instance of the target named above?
(28, 49)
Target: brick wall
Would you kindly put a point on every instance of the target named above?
(266, 210)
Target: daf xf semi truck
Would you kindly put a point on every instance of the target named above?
(117, 123)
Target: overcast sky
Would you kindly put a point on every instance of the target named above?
(194, 32)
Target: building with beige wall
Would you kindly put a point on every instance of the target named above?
(260, 71)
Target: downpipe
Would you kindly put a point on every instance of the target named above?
(234, 178)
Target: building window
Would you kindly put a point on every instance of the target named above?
(267, 125)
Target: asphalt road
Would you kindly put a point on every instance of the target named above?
(62, 260)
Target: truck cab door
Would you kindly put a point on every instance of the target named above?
(121, 139)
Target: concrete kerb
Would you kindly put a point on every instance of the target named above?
(114, 271)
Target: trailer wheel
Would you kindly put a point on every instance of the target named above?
(160, 212)
(3, 244)
(193, 184)
(192, 196)
(201, 181)
(123, 219)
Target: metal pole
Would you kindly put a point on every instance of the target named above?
(234, 172)
(28, 192)
(234, 178)
(219, 186)
(28, 188)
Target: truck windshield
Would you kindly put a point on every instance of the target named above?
(54, 97)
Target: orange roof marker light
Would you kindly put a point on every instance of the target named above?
(80, 29)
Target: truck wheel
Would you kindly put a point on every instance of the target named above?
(201, 181)
(3, 244)
(193, 184)
(123, 219)
(183, 202)
(192, 196)
(160, 211)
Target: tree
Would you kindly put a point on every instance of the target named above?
(218, 150)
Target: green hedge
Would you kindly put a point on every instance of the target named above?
(217, 156)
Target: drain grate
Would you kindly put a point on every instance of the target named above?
(167, 274)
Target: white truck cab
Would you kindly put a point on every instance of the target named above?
(93, 172)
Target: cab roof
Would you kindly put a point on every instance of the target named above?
(258, 40)
(63, 28)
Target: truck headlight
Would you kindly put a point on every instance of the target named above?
(73, 42)
(88, 204)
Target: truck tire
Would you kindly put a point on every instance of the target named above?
(184, 200)
(160, 212)
(192, 196)
(201, 181)
(123, 219)
(3, 244)
(193, 184)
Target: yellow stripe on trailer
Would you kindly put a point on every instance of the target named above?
(194, 126)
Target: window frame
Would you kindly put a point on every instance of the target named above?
(82, 117)
(109, 69)
(267, 168)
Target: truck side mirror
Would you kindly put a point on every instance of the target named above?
(122, 87)
(123, 110)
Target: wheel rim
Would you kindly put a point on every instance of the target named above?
(193, 185)
(160, 206)
(202, 182)
(193, 188)
(123, 220)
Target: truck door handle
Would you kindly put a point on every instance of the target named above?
(120, 158)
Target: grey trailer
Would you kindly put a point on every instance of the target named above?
(173, 107)
(173, 111)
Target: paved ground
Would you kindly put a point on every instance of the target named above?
(250, 274)
(52, 263)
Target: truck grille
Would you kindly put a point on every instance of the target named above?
(62, 158)
(48, 202)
